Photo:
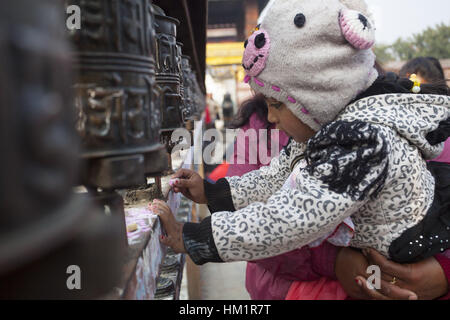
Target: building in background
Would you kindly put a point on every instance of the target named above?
(230, 23)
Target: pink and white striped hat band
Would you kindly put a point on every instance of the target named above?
(313, 55)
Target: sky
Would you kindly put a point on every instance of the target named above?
(402, 18)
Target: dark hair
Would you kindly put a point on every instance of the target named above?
(428, 68)
(438, 65)
(256, 104)
(392, 83)
(389, 82)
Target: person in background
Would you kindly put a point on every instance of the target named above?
(429, 71)
(253, 115)
(212, 111)
(227, 109)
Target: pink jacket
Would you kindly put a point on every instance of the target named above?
(252, 148)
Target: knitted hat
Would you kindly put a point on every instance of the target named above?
(312, 55)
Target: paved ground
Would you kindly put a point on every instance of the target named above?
(219, 281)
(224, 281)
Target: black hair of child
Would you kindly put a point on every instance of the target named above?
(392, 83)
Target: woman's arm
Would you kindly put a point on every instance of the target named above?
(444, 261)
(351, 271)
(427, 279)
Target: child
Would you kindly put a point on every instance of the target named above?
(355, 152)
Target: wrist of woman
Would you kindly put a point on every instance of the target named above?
(445, 265)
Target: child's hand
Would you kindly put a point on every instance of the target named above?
(190, 184)
(174, 229)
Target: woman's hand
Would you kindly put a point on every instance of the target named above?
(351, 271)
(190, 184)
(426, 278)
(174, 229)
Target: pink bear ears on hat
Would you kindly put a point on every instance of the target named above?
(357, 29)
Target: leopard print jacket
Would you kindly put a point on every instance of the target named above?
(368, 164)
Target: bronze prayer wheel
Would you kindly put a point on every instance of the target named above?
(119, 118)
(188, 86)
(179, 58)
(168, 71)
(44, 225)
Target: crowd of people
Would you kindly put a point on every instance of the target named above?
(362, 177)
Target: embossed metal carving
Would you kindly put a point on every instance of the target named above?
(188, 88)
(119, 117)
(168, 71)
